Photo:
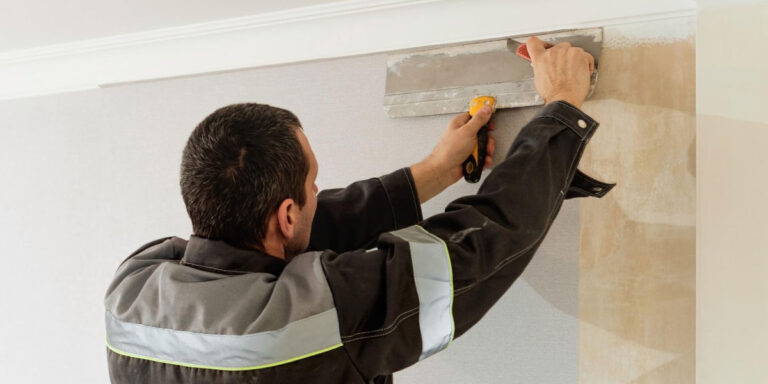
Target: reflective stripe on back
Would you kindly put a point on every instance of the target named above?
(434, 285)
(297, 340)
(174, 314)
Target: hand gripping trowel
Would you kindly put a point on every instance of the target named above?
(447, 79)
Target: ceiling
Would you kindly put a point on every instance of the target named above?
(35, 23)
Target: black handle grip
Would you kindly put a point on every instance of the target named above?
(473, 167)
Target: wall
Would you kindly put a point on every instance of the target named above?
(732, 129)
(637, 249)
(94, 174)
(91, 176)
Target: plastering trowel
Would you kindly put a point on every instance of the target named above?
(456, 78)
(446, 79)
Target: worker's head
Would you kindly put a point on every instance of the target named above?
(248, 172)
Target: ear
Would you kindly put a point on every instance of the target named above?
(287, 218)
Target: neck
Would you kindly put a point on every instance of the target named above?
(273, 244)
(273, 247)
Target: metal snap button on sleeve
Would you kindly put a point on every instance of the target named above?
(582, 124)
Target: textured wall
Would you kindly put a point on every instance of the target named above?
(637, 253)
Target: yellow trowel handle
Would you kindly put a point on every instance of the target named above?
(472, 167)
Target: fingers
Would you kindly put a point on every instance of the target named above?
(490, 149)
(583, 55)
(478, 120)
(536, 47)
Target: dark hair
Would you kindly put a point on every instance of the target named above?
(239, 164)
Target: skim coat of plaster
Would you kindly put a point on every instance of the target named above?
(637, 245)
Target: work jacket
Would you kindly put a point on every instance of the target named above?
(378, 290)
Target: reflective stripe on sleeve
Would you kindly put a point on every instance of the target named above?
(300, 339)
(434, 285)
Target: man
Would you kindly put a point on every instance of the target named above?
(281, 285)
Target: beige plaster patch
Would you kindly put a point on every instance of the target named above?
(637, 245)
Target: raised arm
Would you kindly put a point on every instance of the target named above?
(353, 217)
(427, 284)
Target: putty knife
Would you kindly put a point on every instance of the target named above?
(445, 80)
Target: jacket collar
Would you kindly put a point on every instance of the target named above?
(221, 257)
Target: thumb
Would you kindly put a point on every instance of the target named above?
(459, 121)
(536, 47)
(477, 121)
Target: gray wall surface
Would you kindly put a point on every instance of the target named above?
(88, 177)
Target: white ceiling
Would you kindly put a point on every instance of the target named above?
(35, 23)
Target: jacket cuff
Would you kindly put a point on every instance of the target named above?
(403, 199)
(585, 186)
(584, 126)
(573, 118)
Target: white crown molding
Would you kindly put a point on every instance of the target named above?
(208, 28)
(324, 31)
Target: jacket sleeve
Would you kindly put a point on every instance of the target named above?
(427, 284)
(354, 217)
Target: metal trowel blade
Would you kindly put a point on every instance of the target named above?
(444, 80)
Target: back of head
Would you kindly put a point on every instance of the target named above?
(239, 164)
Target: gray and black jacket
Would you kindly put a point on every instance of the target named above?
(379, 289)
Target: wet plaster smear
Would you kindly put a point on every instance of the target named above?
(637, 245)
